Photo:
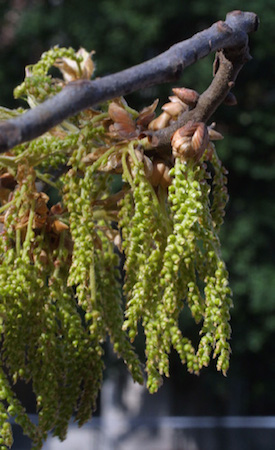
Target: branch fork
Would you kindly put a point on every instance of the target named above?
(231, 36)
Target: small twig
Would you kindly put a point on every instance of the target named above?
(82, 94)
(229, 64)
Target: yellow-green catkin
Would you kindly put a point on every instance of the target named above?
(38, 84)
(177, 263)
(111, 300)
(191, 260)
(219, 191)
(144, 234)
(216, 330)
(15, 410)
(144, 247)
(62, 293)
(79, 356)
(80, 193)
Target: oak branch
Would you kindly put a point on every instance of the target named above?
(229, 38)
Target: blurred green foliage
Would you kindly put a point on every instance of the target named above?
(124, 33)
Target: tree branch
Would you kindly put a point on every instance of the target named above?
(229, 63)
(82, 94)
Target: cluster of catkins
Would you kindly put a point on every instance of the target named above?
(64, 229)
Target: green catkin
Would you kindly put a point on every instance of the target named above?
(79, 196)
(76, 347)
(61, 291)
(110, 287)
(219, 191)
(146, 241)
(177, 261)
(20, 344)
(192, 229)
(47, 151)
(216, 329)
(16, 410)
(38, 85)
(126, 211)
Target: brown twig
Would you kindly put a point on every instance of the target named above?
(166, 67)
(229, 63)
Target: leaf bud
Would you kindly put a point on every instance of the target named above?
(188, 96)
(173, 108)
(190, 141)
(214, 135)
(200, 138)
(59, 226)
(160, 122)
(72, 70)
(147, 114)
(123, 125)
(160, 174)
(148, 166)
